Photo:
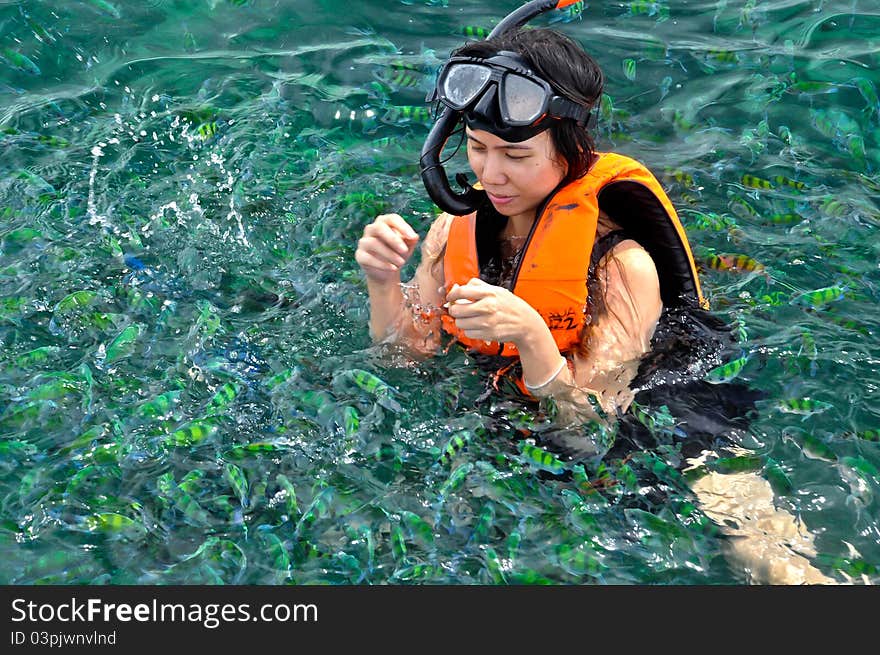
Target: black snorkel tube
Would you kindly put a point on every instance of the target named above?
(433, 175)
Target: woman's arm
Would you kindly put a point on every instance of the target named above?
(619, 337)
(403, 314)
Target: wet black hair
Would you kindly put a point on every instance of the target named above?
(566, 66)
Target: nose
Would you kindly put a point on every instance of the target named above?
(493, 172)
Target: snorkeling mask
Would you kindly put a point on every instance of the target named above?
(501, 95)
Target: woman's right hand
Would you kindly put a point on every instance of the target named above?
(386, 245)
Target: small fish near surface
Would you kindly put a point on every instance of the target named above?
(123, 345)
(380, 390)
(818, 298)
(735, 263)
(540, 459)
(727, 371)
(803, 406)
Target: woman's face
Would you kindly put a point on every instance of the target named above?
(516, 176)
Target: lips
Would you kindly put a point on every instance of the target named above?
(499, 200)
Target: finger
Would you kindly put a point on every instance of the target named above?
(383, 242)
(463, 309)
(368, 260)
(397, 223)
(471, 292)
(380, 249)
(382, 252)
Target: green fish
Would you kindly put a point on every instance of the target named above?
(255, 448)
(238, 481)
(682, 122)
(658, 421)
(682, 177)
(405, 78)
(19, 61)
(774, 298)
(494, 566)
(192, 482)
(834, 208)
(784, 219)
(123, 343)
(161, 405)
(655, 526)
(606, 108)
(418, 527)
(207, 131)
(106, 8)
(475, 32)
(420, 572)
(275, 549)
(455, 445)
(60, 388)
(320, 507)
(738, 464)
(75, 301)
(529, 577)
(539, 458)
(407, 114)
(819, 297)
(181, 500)
(869, 435)
(14, 240)
(398, 544)
(727, 371)
(781, 180)
(40, 32)
(809, 349)
(514, 539)
(375, 386)
(351, 421)
(848, 324)
(649, 8)
(223, 397)
(754, 182)
(290, 495)
(579, 559)
(316, 403)
(629, 68)
(865, 469)
(805, 406)
(852, 567)
(16, 448)
(777, 477)
(109, 522)
(456, 478)
(192, 433)
(483, 524)
(815, 448)
(722, 56)
(741, 208)
(280, 378)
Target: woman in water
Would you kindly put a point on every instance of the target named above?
(565, 265)
(573, 299)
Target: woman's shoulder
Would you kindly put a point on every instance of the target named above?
(632, 256)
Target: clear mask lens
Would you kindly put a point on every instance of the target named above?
(522, 99)
(462, 83)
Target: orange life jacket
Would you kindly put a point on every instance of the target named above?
(552, 273)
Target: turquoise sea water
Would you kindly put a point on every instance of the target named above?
(184, 380)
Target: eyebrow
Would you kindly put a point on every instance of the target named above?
(510, 146)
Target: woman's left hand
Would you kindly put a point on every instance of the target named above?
(491, 313)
